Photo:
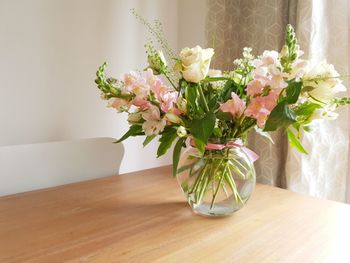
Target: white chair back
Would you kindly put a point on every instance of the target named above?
(34, 166)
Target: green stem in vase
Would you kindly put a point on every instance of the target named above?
(216, 174)
(237, 171)
(197, 186)
(217, 189)
(223, 187)
(231, 182)
(203, 188)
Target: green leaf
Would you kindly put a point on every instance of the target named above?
(225, 116)
(217, 132)
(201, 129)
(307, 128)
(281, 116)
(148, 139)
(133, 131)
(341, 101)
(293, 141)
(166, 140)
(230, 86)
(176, 154)
(293, 91)
(192, 96)
(200, 145)
(306, 109)
(185, 167)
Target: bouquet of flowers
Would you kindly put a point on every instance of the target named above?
(181, 100)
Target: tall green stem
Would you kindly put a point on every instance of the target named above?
(217, 188)
(169, 79)
(201, 94)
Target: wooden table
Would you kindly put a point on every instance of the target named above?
(142, 217)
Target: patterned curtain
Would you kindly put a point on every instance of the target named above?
(323, 28)
(323, 31)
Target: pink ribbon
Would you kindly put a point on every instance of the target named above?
(237, 143)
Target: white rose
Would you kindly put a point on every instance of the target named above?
(195, 63)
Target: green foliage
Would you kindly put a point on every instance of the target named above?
(110, 88)
(217, 132)
(289, 50)
(192, 96)
(293, 91)
(148, 139)
(230, 86)
(294, 142)
(281, 116)
(199, 145)
(155, 61)
(246, 124)
(342, 101)
(225, 116)
(134, 130)
(304, 113)
(156, 31)
(201, 129)
(166, 140)
(176, 154)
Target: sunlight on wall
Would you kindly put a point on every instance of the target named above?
(50, 51)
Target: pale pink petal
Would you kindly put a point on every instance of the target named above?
(141, 103)
(255, 87)
(235, 106)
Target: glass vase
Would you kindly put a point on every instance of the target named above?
(218, 182)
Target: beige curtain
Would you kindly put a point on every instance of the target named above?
(323, 31)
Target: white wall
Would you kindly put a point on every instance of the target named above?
(49, 52)
(191, 23)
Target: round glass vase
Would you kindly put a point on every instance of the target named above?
(219, 182)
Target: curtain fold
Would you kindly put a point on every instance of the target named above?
(322, 28)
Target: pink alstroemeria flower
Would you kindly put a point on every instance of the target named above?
(118, 104)
(136, 84)
(168, 101)
(153, 124)
(260, 107)
(235, 106)
(256, 86)
(143, 104)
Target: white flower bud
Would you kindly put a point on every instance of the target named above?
(182, 105)
(173, 118)
(162, 58)
(134, 117)
(284, 51)
(181, 132)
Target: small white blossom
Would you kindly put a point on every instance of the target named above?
(181, 132)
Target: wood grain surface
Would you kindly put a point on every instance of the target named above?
(143, 217)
